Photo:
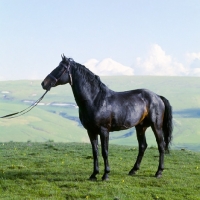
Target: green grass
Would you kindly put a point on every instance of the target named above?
(32, 171)
(44, 122)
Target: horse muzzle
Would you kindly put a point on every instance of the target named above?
(46, 86)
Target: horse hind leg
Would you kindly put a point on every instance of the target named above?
(161, 148)
(142, 145)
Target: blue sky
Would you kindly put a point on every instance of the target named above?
(150, 36)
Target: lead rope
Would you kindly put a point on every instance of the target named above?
(22, 112)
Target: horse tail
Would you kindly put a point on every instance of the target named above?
(167, 123)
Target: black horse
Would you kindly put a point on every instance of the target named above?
(102, 110)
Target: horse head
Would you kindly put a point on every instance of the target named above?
(59, 76)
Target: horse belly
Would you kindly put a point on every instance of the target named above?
(127, 119)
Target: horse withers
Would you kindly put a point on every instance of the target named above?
(102, 110)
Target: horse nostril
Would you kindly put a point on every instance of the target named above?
(42, 85)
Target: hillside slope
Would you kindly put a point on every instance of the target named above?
(56, 118)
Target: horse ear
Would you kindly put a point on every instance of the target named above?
(64, 59)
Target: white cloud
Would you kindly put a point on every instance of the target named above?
(193, 63)
(157, 62)
(190, 57)
(108, 67)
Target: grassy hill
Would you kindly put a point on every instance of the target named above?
(59, 171)
(60, 123)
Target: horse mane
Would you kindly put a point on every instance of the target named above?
(90, 76)
(93, 79)
(85, 72)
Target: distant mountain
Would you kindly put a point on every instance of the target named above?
(108, 67)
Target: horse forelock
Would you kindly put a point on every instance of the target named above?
(66, 60)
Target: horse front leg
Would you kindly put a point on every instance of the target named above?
(104, 136)
(94, 143)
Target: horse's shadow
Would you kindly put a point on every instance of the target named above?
(58, 176)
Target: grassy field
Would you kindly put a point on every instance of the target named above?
(48, 122)
(59, 171)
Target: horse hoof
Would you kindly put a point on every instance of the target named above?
(158, 175)
(105, 178)
(92, 178)
(132, 173)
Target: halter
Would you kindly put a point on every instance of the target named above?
(67, 69)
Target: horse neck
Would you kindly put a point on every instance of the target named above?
(83, 89)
